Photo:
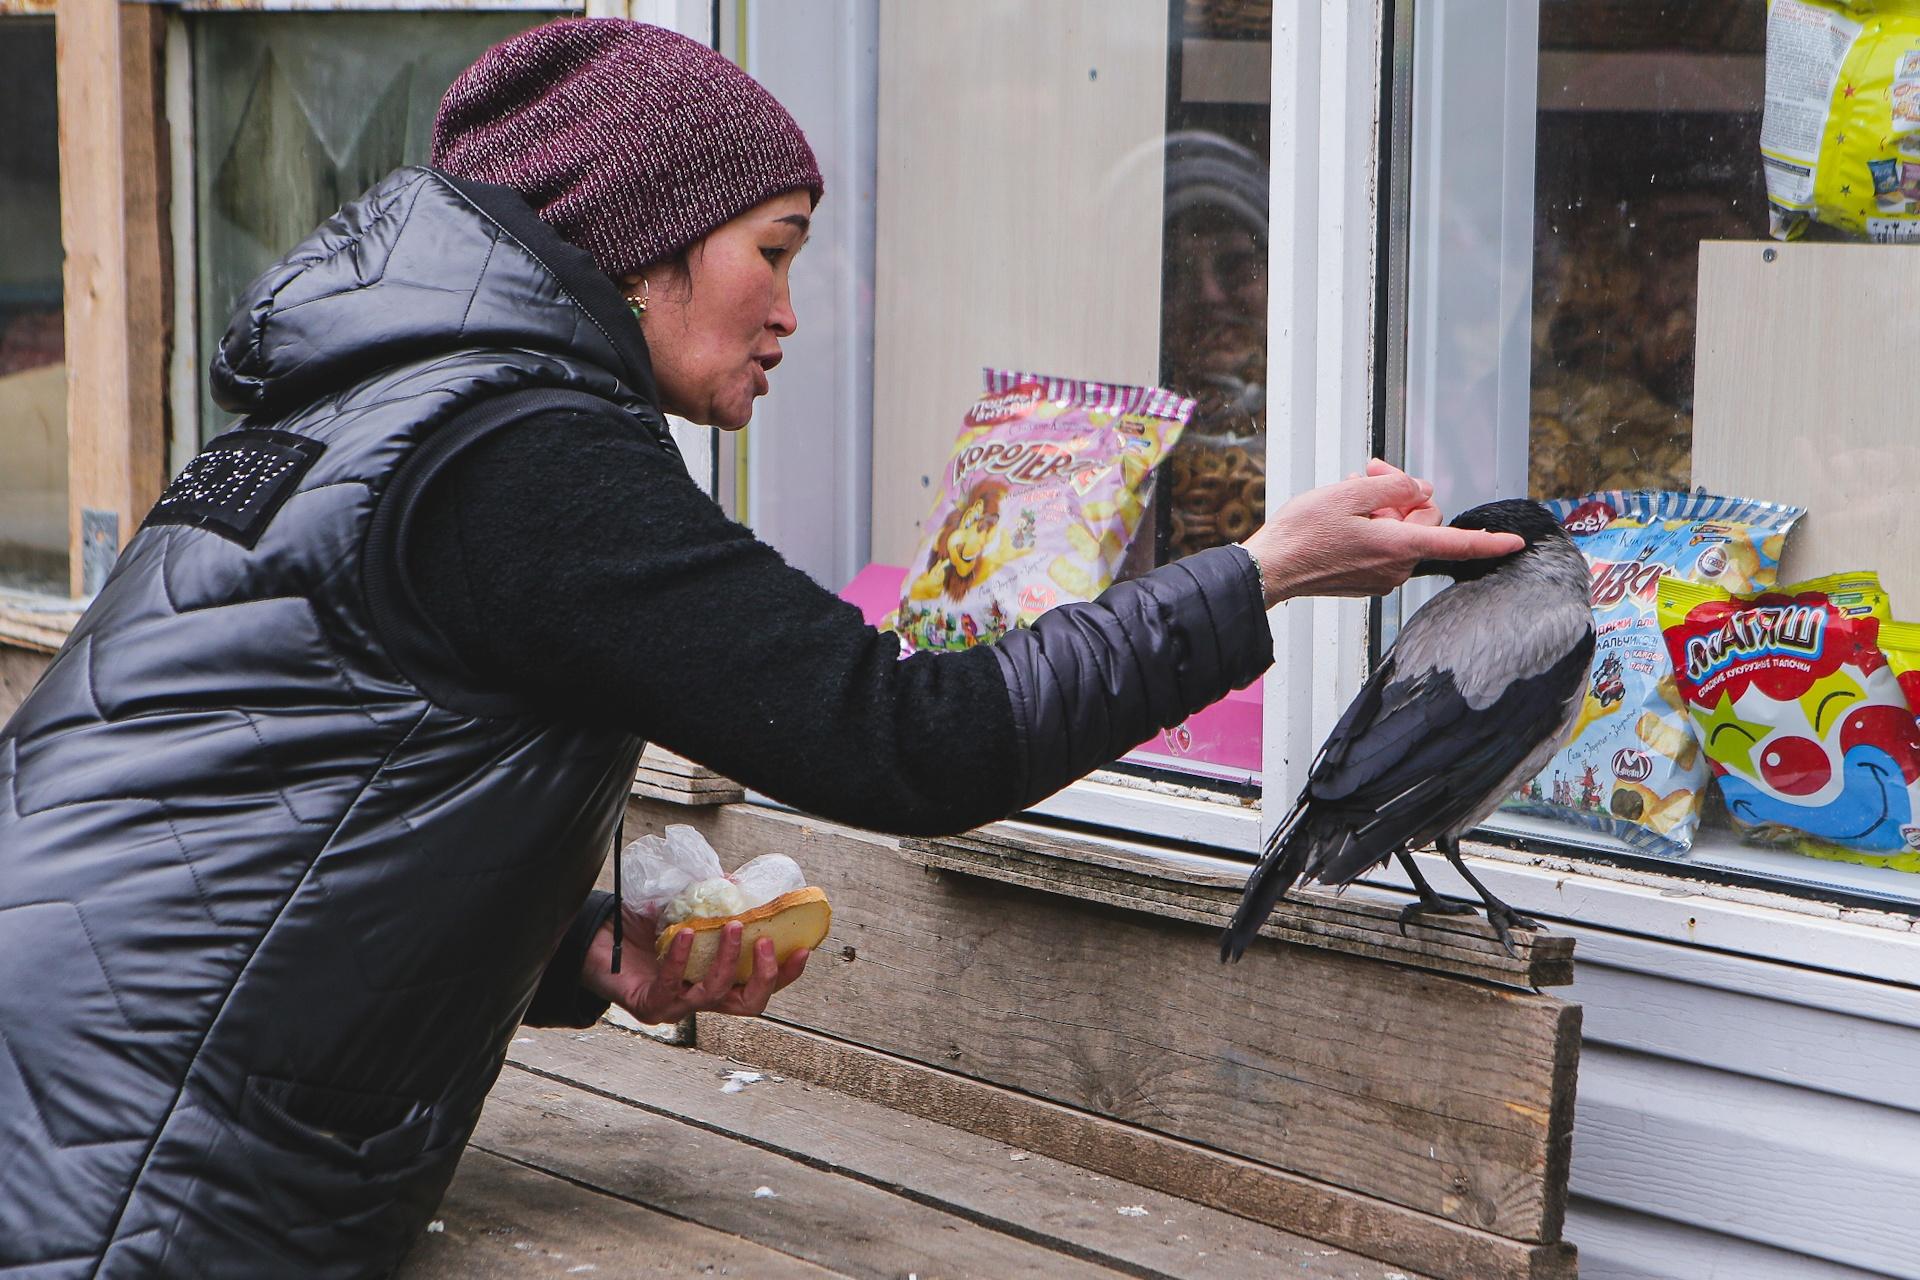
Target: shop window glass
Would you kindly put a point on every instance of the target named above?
(33, 376)
(1076, 190)
(297, 113)
(1600, 300)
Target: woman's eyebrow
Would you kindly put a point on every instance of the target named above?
(799, 220)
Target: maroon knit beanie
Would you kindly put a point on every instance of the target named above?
(630, 141)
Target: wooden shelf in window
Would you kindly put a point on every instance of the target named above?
(1652, 81)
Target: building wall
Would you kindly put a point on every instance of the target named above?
(1740, 1118)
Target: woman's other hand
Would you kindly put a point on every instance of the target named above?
(1361, 537)
(654, 988)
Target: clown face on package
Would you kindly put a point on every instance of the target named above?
(1802, 720)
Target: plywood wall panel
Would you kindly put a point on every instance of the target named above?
(1018, 220)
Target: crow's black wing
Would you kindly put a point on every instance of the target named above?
(1412, 759)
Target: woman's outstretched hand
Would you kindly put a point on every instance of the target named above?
(1361, 537)
(654, 988)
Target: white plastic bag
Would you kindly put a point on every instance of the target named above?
(678, 877)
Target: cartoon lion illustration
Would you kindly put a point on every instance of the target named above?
(966, 551)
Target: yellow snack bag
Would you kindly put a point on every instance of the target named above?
(1036, 506)
(1841, 135)
(1856, 593)
(1900, 641)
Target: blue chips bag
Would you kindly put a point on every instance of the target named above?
(1633, 768)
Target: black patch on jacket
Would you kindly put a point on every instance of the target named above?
(234, 485)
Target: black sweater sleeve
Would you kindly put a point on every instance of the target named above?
(571, 559)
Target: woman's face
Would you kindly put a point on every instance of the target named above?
(715, 333)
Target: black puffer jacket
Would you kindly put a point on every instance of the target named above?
(255, 816)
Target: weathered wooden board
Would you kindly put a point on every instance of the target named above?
(1447, 1096)
(30, 631)
(502, 1221)
(657, 759)
(1358, 922)
(1066, 1208)
(649, 788)
(662, 775)
(713, 1180)
(1407, 1240)
(19, 670)
(681, 782)
(113, 224)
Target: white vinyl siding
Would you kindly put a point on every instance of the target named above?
(1742, 1118)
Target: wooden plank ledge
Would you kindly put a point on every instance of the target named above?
(1446, 1096)
(662, 775)
(503, 1220)
(38, 623)
(1360, 922)
(1083, 1217)
(1405, 1239)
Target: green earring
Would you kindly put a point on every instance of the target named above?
(639, 305)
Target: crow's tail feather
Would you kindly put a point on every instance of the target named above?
(1287, 851)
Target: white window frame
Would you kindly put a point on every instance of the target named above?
(1468, 360)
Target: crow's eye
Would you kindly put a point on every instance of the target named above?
(1795, 766)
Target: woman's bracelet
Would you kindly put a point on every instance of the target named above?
(1259, 571)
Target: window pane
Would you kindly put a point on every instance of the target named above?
(1598, 303)
(33, 374)
(296, 114)
(1648, 143)
(1075, 190)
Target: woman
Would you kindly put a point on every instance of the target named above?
(302, 822)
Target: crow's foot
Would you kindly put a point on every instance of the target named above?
(1502, 917)
(1432, 904)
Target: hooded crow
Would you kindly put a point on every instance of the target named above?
(1479, 691)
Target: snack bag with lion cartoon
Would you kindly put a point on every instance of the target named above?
(1811, 739)
(1633, 768)
(1037, 505)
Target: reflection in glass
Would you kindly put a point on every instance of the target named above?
(1213, 337)
(296, 114)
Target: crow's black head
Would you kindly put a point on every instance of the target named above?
(1509, 515)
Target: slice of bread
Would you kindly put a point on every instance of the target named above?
(793, 920)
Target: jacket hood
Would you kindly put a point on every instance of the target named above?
(422, 263)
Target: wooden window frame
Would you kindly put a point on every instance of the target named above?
(113, 183)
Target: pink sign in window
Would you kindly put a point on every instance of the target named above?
(1222, 741)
